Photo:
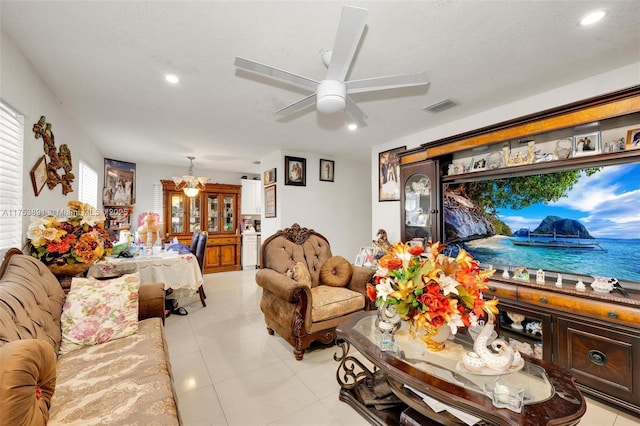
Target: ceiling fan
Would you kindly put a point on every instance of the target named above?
(331, 95)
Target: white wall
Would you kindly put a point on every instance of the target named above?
(387, 214)
(24, 90)
(339, 210)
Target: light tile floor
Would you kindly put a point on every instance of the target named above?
(229, 371)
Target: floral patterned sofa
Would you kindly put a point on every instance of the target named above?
(125, 380)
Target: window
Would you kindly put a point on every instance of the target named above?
(11, 209)
(88, 185)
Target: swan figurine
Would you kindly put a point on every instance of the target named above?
(502, 356)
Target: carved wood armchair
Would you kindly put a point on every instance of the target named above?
(302, 313)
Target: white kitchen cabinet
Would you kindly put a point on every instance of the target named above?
(249, 250)
(251, 197)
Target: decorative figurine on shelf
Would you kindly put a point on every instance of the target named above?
(517, 320)
(505, 274)
(559, 281)
(580, 285)
(540, 276)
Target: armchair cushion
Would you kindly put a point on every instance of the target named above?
(332, 302)
(299, 272)
(336, 272)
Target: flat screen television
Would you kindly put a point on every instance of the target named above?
(581, 222)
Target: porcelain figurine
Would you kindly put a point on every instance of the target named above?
(499, 361)
(472, 362)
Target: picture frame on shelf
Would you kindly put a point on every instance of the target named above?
(39, 175)
(389, 174)
(586, 144)
(368, 254)
(270, 201)
(296, 171)
(119, 183)
(269, 176)
(479, 162)
(633, 139)
(359, 260)
(327, 170)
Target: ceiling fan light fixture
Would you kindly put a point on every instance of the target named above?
(189, 184)
(331, 96)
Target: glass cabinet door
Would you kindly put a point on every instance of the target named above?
(227, 214)
(194, 213)
(212, 215)
(418, 207)
(177, 213)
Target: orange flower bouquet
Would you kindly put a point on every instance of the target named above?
(432, 290)
(69, 245)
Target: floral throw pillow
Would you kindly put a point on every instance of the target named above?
(97, 311)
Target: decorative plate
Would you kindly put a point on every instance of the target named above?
(486, 371)
(495, 161)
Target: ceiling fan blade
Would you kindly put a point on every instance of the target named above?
(299, 105)
(350, 29)
(389, 82)
(282, 75)
(355, 112)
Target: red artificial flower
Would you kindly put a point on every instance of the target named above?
(416, 250)
(371, 292)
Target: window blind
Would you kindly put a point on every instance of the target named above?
(157, 200)
(11, 208)
(88, 185)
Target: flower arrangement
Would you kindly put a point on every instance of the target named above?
(77, 239)
(433, 290)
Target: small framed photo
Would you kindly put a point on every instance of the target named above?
(270, 201)
(587, 144)
(479, 162)
(359, 260)
(326, 170)
(368, 256)
(296, 171)
(269, 177)
(39, 175)
(633, 139)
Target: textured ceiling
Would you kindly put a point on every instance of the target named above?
(105, 61)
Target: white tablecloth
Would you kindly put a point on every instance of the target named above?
(170, 268)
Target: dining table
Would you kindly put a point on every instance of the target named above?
(176, 271)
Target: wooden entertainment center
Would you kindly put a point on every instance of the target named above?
(595, 336)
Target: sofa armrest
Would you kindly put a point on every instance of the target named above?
(279, 284)
(151, 301)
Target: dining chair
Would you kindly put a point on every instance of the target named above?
(194, 240)
(198, 252)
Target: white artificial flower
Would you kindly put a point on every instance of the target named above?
(35, 231)
(448, 284)
(384, 288)
(455, 322)
(50, 234)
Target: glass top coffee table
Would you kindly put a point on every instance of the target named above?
(388, 387)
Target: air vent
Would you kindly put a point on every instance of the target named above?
(441, 106)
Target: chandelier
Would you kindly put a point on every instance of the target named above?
(190, 184)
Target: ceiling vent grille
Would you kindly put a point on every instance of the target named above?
(441, 105)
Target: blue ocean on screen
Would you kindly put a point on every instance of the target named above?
(616, 258)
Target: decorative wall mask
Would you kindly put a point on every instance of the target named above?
(58, 159)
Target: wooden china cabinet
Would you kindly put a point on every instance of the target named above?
(216, 210)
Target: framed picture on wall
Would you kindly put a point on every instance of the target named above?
(270, 201)
(269, 177)
(39, 175)
(119, 183)
(295, 171)
(389, 175)
(326, 170)
(588, 144)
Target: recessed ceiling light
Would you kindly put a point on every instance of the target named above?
(592, 17)
(352, 126)
(173, 79)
